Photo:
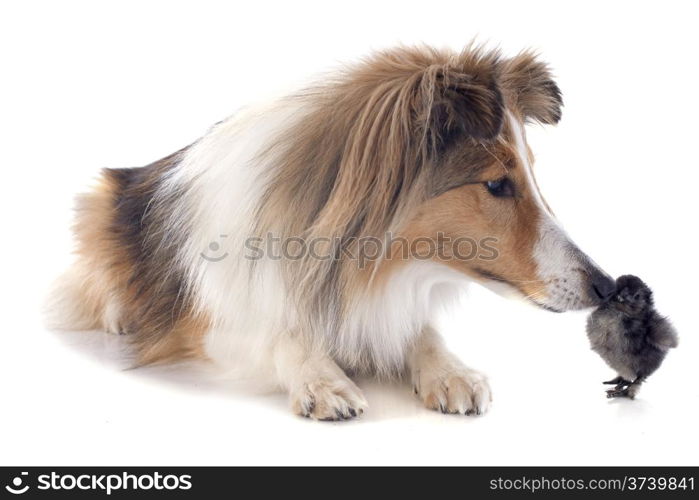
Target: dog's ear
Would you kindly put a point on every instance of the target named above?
(531, 87)
(456, 104)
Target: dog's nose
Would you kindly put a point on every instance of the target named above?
(602, 285)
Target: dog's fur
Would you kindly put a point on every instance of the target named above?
(402, 143)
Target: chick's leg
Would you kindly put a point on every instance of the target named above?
(633, 389)
(630, 391)
(619, 381)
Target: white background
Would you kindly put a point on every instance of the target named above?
(86, 85)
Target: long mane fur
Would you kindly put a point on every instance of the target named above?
(373, 137)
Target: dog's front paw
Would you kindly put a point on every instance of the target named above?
(459, 390)
(328, 399)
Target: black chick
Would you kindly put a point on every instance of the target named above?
(631, 337)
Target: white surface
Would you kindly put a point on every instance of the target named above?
(86, 85)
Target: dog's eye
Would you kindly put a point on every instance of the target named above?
(501, 188)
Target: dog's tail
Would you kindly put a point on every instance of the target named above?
(71, 303)
(84, 297)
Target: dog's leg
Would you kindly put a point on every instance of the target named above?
(442, 382)
(318, 388)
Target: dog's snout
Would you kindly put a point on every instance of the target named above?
(602, 284)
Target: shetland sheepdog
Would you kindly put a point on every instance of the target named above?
(313, 238)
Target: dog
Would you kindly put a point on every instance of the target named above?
(414, 150)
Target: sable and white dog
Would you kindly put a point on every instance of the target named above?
(410, 147)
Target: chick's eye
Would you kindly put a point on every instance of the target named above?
(501, 188)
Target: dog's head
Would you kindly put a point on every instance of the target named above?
(483, 188)
(431, 145)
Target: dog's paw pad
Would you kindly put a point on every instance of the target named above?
(328, 400)
(463, 391)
